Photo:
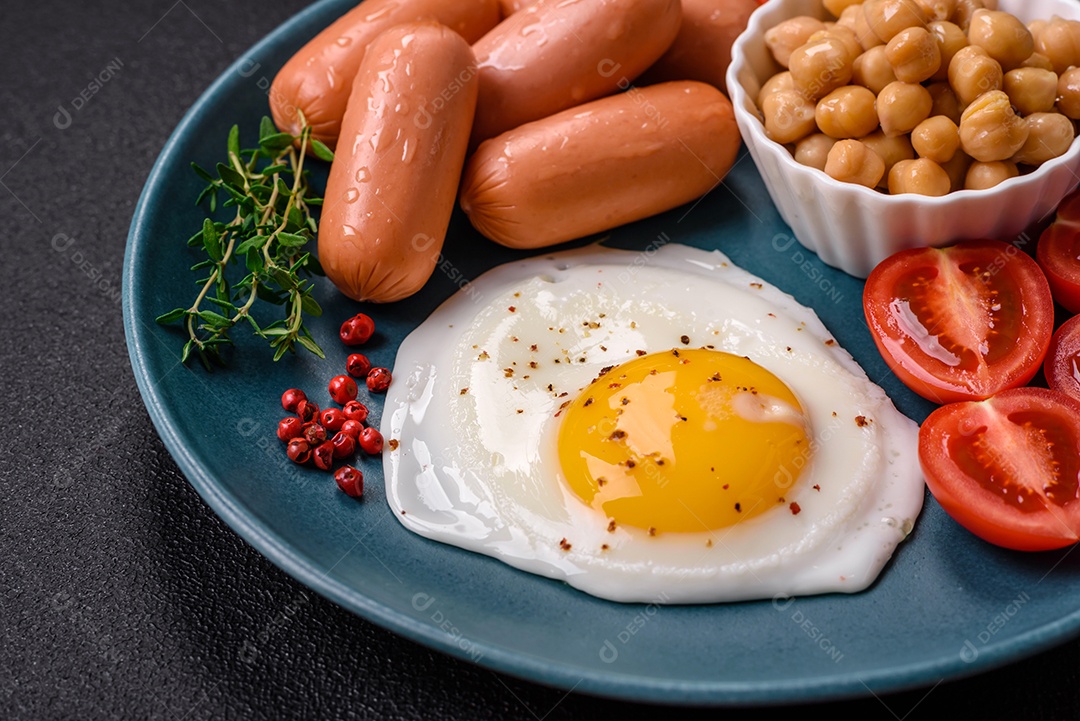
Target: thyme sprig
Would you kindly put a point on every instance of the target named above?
(272, 224)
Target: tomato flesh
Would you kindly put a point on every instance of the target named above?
(1058, 254)
(960, 323)
(1062, 367)
(1008, 468)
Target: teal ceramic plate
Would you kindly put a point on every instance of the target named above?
(947, 605)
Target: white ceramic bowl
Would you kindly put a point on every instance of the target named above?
(854, 228)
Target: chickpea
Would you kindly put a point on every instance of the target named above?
(891, 150)
(944, 101)
(921, 176)
(936, 138)
(780, 81)
(1035, 27)
(990, 130)
(964, 10)
(902, 106)
(851, 161)
(1038, 60)
(847, 17)
(790, 34)
(888, 17)
(972, 72)
(981, 176)
(872, 70)
(813, 150)
(1031, 90)
(957, 169)
(1068, 91)
(844, 35)
(863, 30)
(950, 39)
(838, 7)
(1059, 41)
(1002, 36)
(937, 9)
(789, 116)
(820, 67)
(1049, 136)
(914, 55)
(847, 112)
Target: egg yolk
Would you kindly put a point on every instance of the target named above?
(684, 441)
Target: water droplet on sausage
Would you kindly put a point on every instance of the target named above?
(387, 86)
(344, 41)
(616, 30)
(363, 175)
(352, 195)
(349, 231)
(380, 13)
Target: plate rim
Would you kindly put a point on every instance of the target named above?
(614, 685)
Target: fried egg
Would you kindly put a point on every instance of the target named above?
(648, 427)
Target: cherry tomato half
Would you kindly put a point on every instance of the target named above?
(1008, 468)
(1062, 367)
(1058, 254)
(960, 323)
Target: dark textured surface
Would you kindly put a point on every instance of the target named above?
(121, 594)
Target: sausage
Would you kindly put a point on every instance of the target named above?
(394, 179)
(509, 7)
(602, 164)
(702, 49)
(317, 79)
(555, 54)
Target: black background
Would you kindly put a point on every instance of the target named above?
(121, 594)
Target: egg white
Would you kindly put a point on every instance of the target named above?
(475, 463)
